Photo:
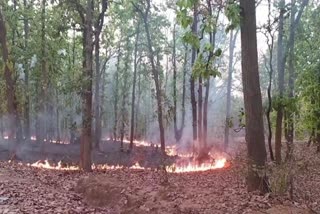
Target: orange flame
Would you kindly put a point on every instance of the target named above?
(47, 165)
(193, 167)
(190, 166)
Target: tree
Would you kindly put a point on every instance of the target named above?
(155, 69)
(133, 96)
(86, 17)
(43, 86)
(116, 93)
(178, 131)
(280, 67)
(294, 22)
(269, 66)
(232, 44)
(26, 73)
(98, 28)
(12, 102)
(256, 179)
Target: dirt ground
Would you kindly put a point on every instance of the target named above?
(24, 189)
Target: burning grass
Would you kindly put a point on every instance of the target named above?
(174, 168)
(184, 162)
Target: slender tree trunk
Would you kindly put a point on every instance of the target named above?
(174, 65)
(97, 130)
(233, 39)
(183, 109)
(294, 22)
(124, 93)
(41, 129)
(192, 82)
(138, 131)
(98, 27)
(205, 114)
(86, 137)
(133, 96)
(167, 72)
(200, 114)
(12, 105)
(58, 117)
(270, 104)
(19, 134)
(116, 95)
(103, 98)
(270, 48)
(290, 113)
(212, 36)
(156, 79)
(26, 73)
(178, 131)
(281, 67)
(256, 179)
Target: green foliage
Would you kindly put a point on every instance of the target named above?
(203, 68)
(308, 67)
(232, 11)
(192, 39)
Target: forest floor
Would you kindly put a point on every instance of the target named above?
(25, 189)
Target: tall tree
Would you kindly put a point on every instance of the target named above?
(178, 131)
(116, 93)
(26, 73)
(86, 14)
(269, 66)
(192, 80)
(256, 179)
(12, 102)
(155, 70)
(125, 88)
(232, 44)
(133, 96)
(97, 111)
(281, 68)
(294, 22)
(43, 86)
(212, 42)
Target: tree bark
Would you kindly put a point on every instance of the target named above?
(233, 39)
(116, 94)
(178, 131)
(256, 179)
(155, 73)
(294, 22)
(200, 114)
(98, 27)
(280, 67)
(97, 130)
(26, 73)
(192, 82)
(133, 96)
(270, 71)
(138, 132)
(12, 104)
(124, 93)
(212, 38)
(86, 136)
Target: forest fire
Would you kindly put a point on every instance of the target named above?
(46, 165)
(194, 167)
(175, 168)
